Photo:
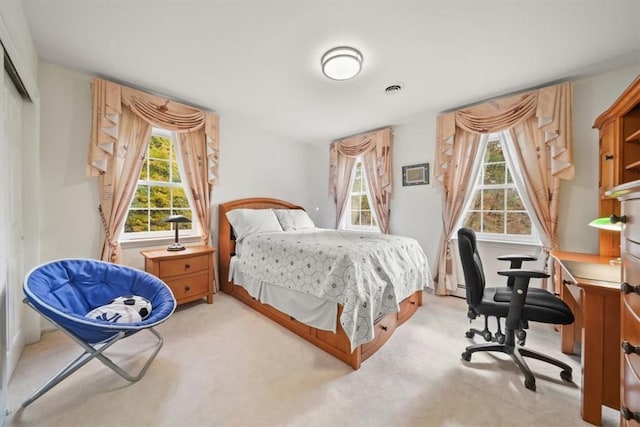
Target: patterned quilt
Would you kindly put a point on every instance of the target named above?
(368, 273)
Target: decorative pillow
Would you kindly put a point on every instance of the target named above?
(115, 313)
(249, 221)
(138, 303)
(293, 219)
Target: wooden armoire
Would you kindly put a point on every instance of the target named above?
(619, 128)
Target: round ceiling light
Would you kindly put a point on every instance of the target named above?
(341, 63)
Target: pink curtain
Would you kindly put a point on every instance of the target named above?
(195, 167)
(118, 184)
(118, 146)
(375, 149)
(540, 123)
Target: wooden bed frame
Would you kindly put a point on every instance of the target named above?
(336, 344)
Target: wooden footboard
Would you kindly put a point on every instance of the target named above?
(336, 344)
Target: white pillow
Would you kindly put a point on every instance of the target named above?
(115, 313)
(249, 221)
(293, 219)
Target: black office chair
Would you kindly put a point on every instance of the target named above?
(517, 305)
(515, 261)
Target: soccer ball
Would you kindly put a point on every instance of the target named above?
(115, 313)
(140, 304)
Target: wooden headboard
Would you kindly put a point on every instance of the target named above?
(226, 243)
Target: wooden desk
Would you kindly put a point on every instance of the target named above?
(591, 287)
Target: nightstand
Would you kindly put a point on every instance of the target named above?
(188, 273)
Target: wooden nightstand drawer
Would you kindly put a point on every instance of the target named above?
(175, 267)
(189, 285)
(189, 273)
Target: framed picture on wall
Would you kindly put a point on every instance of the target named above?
(415, 174)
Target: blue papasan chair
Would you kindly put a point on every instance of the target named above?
(64, 291)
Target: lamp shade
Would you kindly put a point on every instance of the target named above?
(605, 224)
(341, 63)
(177, 219)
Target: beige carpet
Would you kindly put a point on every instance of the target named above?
(226, 365)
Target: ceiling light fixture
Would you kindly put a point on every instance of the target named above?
(341, 63)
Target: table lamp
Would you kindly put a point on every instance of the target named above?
(609, 223)
(605, 223)
(176, 219)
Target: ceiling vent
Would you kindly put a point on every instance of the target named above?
(394, 87)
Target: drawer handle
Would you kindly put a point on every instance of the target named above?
(626, 288)
(292, 318)
(615, 219)
(567, 282)
(384, 328)
(629, 348)
(413, 303)
(187, 288)
(187, 266)
(608, 157)
(628, 414)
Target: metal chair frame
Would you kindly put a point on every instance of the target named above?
(95, 351)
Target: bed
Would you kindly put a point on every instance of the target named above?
(307, 281)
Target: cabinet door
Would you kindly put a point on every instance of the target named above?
(608, 159)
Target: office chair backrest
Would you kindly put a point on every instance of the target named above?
(471, 266)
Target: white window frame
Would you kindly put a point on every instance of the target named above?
(503, 138)
(345, 222)
(166, 234)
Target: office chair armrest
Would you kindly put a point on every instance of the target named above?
(521, 280)
(530, 274)
(517, 259)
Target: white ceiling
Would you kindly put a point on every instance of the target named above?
(260, 59)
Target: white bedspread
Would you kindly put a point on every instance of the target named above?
(368, 273)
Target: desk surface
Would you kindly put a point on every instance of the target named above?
(590, 269)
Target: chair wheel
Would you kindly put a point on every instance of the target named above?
(530, 384)
(521, 335)
(466, 356)
(566, 375)
(521, 343)
(469, 334)
(486, 335)
(500, 338)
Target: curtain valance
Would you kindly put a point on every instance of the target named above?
(378, 141)
(109, 100)
(551, 106)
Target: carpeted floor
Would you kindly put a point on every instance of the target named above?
(226, 365)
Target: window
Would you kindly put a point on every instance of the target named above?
(160, 192)
(496, 209)
(359, 214)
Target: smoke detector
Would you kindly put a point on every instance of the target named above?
(394, 88)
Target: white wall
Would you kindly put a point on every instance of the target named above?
(415, 210)
(253, 163)
(579, 198)
(69, 199)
